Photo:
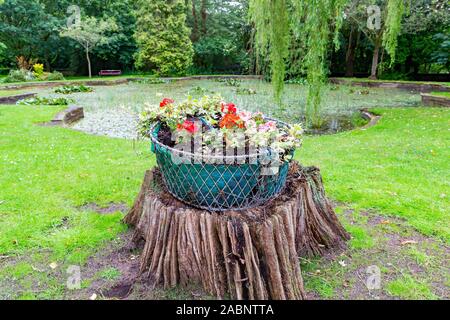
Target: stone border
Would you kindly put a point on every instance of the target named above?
(371, 117)
(68, 116)
(410, 86)
(435, 101)
(15, 98)
(27, 85)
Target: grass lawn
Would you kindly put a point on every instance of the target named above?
(398, 168)
(6, 93)
(441, 94)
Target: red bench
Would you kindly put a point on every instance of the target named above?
(110, 72)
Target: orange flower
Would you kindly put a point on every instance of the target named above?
(231, 120)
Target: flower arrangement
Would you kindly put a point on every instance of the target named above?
(220, 124)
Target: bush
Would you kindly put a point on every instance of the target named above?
(38, 70)
(21, 75)
(55, 76)
(73, 89)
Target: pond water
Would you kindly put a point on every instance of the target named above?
(113, 110)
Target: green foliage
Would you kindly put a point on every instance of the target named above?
(90, 33)
(32, 28)
(38, 70)
(220, 37)
(312, 23)
(395, 13)
(162, 37)
(54, 76)
(73, 89)
(19, 76)
(45, 102)
(151, 81)
(442, 54)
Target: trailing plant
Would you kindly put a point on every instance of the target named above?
(45, 102)
(73, 89)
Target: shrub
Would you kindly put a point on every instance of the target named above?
(45, 102)
(21, 75)
(73, 89)
(38, 70)
(55, 76)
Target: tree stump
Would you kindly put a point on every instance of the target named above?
(249, 254)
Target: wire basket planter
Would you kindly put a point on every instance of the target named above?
(221, 182)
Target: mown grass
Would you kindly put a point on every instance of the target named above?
(441, 94)
(47, 172)
(7, 93)
(399, 167)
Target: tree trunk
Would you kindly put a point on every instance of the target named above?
(249, 254)
(194, 36)
(375, 59)
(351, 51)
(88, 61)
(204, 16)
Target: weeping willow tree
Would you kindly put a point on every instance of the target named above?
(314, 23)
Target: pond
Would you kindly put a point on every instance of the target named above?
(113, 110)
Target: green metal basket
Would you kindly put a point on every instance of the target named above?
(219, 187)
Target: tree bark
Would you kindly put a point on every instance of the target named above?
(351, 51)
(88, 61)
(204, 17)
(375, 59)
(194, 36)
(249, 254)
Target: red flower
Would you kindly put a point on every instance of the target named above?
(231, 120)
(165, 102)
(189, 126)
(229, 108)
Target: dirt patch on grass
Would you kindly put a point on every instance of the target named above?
(110, 208)
(127, 285)
(410, 264)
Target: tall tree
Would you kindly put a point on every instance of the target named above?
(380, 21)
(90, 34)
(25, 28)
(162, 37)
(314, 22)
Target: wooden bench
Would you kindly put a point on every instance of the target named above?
(110, 73)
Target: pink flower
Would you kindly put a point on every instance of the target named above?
(268, 126)
(245, 115)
